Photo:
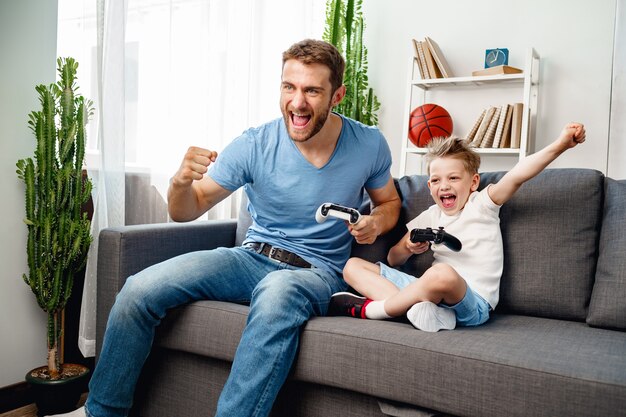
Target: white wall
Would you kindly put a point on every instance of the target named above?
(573, 37)
(28, 50)
(617, 143)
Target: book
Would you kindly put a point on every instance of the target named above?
(506, 131)
(491, 129)
(435, 51)
(433, 69)
(480, 133)
(498, 70)
(516, 124)
(474, 129)
(417, 59)
(422, 60)
(500, 128)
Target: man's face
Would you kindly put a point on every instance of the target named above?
(306, 98)
(451, 184)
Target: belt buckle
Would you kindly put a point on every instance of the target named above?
(272, 254)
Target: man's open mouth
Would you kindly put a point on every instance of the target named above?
(300, 120)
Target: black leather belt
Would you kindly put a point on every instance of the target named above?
(279, 254)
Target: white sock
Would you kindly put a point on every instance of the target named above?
(429, 317)
(80, 412)
(376, 310)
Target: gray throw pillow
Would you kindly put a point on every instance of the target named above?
(608, 299)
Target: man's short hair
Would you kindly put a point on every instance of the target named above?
(453, 147)
(312, 51)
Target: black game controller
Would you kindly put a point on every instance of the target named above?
(335, 210)
(436, 236)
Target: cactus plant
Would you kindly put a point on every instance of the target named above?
(344, 29)
(58, 228)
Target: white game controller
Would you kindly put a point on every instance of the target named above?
(335, 210)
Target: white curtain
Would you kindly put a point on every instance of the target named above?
(165, 75)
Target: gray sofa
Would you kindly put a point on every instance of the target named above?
(556, 345)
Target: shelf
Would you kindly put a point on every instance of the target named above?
(495, 151)
(461, 81)
(527, 83)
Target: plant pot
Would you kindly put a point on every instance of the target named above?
(59, 395)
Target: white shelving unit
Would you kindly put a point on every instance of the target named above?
(419, 90)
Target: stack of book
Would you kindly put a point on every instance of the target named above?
(497, 70)
(430, 60)
(498, 127)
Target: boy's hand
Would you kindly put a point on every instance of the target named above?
(417, 248)
(571, 135)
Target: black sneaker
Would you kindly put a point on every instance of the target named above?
(346, 304)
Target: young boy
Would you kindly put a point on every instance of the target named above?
(460, 287)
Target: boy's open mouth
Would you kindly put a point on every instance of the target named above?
(448, 200)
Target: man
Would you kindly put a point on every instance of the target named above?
(288, 266)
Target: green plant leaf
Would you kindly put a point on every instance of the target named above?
(344, 28)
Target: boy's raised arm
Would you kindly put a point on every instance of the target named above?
(571, 135)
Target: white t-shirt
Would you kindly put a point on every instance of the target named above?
(477, 226)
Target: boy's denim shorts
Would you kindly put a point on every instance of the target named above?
(472, 310)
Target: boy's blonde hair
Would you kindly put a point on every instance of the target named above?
(453, 147)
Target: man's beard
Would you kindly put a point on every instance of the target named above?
(319, 124)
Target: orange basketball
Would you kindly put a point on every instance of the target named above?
(429, 121)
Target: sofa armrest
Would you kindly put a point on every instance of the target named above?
(124, 251)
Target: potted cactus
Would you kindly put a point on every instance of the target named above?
(59, 232)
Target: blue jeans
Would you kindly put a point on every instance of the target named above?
(282, 298)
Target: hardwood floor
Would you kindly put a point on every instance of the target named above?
(31, 410)
(28, 411)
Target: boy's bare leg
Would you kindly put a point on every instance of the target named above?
(418, 300)
(365, 278)
(440, 283)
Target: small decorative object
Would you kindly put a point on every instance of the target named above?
(495, 57)
(58, 228)
(429, 121)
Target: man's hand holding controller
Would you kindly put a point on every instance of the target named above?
(363, 228)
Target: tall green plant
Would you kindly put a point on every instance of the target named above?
(58, 229)
(344, 29)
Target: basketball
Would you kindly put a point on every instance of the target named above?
(429, 121)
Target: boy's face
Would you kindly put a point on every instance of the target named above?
(451, 184)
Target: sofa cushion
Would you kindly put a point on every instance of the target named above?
(511, 366)
(608, 299)
(514, 365)
(550, 229)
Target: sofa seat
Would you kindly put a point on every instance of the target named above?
(512, 363)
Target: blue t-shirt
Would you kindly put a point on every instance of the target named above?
(284, 189)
